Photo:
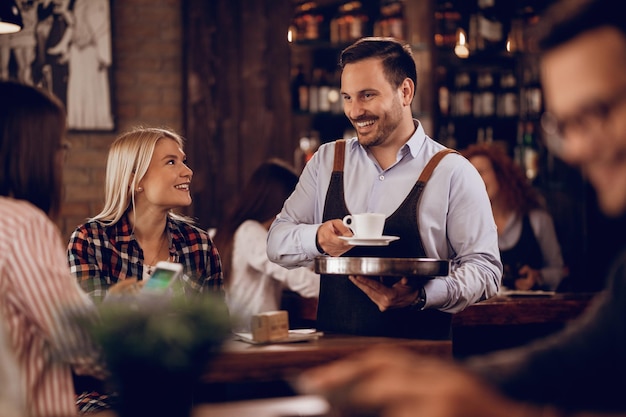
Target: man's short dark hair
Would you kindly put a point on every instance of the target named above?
(397, 57)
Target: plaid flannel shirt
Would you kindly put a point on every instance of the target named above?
(99, 256)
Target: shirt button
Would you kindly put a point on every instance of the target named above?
(382, 177)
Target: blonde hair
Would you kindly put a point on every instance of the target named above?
(127, 163)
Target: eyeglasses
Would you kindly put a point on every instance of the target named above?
(592, 118)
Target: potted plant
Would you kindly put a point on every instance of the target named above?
(157, 347)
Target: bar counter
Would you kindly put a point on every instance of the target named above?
(526, 309)
(508, 321)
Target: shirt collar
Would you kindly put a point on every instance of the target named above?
(416, 141)
(124, 232)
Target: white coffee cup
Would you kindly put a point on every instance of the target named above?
(365, 225)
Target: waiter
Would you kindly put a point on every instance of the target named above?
(433, 199)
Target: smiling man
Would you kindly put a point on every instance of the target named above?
(580, 371)
(433, 200)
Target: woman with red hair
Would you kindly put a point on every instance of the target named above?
(529, 248)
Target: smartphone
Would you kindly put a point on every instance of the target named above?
(164, 274)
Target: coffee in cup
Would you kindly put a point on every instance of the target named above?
(365, 225)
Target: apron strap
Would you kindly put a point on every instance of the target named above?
(340, 155)
(432, 164)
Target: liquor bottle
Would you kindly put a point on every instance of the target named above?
(314, 88)
(349, 24)
(477, 95)
(462, 103)
(448, 19)
(299, 91)
(391, 22)
(508, 101)
(323, 103)
(307, 21)
(527, 152)
(489, 25)
(443, 91)
(488, 96)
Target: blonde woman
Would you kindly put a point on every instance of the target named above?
(146, 179)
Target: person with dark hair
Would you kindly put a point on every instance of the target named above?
(529, 248)
(580, 371)
(38, 294)
(253, 284)
(433, 200)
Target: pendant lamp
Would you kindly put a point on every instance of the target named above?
(10, 17)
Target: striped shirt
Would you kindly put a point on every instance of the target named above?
(37, 294)
(99, 256)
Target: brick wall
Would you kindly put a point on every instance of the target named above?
(147, 90)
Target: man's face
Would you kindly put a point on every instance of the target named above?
(371, 103)
(584, 85)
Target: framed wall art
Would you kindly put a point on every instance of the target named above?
(65, 48)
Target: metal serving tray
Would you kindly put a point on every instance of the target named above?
(417, 267)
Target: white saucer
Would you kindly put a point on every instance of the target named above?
(377, 241)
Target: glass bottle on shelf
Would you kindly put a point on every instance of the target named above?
(443, 91)
(526, 151)
(508, 102)
(488, 96)
(307, 21)
(349, 24)
(299, 91)
(489, 26)
(324, 93)
(448, 19)
(477, 96)
(314, 88)
(462, 103)
(531, 96)
(391, 22)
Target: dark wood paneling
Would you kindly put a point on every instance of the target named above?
(237, 98)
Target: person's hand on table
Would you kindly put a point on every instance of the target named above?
(392, 382)
(528, 278)
(328, 237)
(400, 294)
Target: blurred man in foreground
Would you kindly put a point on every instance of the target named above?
(582, 370)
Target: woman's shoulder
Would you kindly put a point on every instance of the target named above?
(539, 214)
(187, 228)
(21, 220)
(16, 211)
(93, 228)
(250, 226)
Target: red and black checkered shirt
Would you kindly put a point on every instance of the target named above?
(99, 256)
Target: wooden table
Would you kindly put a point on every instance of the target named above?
(243, 361)
(508, 321)
(245, 371)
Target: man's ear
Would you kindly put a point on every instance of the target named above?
(408, 91)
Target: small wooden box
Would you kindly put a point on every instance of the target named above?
(270, 326)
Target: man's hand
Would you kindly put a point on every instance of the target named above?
(400, 294)
(328, 237)
(528, 278)
(387, 381)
